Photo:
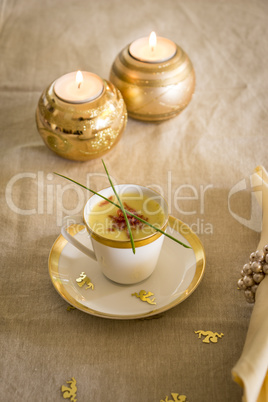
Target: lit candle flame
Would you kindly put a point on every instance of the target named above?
(152, 40)
(79, 78)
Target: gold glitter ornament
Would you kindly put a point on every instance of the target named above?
(81, 131)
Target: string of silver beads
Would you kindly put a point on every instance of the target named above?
(253, 273)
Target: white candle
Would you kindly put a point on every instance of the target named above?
(77, 87)
(153, 49)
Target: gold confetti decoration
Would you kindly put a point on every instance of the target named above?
(209, 336)
(84, 279)
(145, 296)
(70, 392)
(176, 398)
(69, 308)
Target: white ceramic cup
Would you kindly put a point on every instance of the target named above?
(115, 257)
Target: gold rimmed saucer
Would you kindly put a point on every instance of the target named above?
(178, 273)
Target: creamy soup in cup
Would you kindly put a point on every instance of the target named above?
(110, 238)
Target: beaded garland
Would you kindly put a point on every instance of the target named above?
(253, 273)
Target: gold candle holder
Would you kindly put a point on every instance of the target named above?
(154, 91)
(81, 131)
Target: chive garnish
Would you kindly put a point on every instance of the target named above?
(121, 207)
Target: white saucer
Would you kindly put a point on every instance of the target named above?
(178, 273)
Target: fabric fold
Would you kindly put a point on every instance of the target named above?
(251, 370)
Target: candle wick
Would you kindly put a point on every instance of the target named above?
(79, 85)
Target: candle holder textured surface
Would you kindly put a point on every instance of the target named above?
(154, 91)
(81, 131)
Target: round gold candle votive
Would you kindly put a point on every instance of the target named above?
(154, 91)
(84, 130)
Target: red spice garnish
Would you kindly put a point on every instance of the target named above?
(119, 220)
(106, 202)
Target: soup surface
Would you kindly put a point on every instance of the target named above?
(108, 221)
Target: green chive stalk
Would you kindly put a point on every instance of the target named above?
(122, 208)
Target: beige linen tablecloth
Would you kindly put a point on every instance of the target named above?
(201, 161)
